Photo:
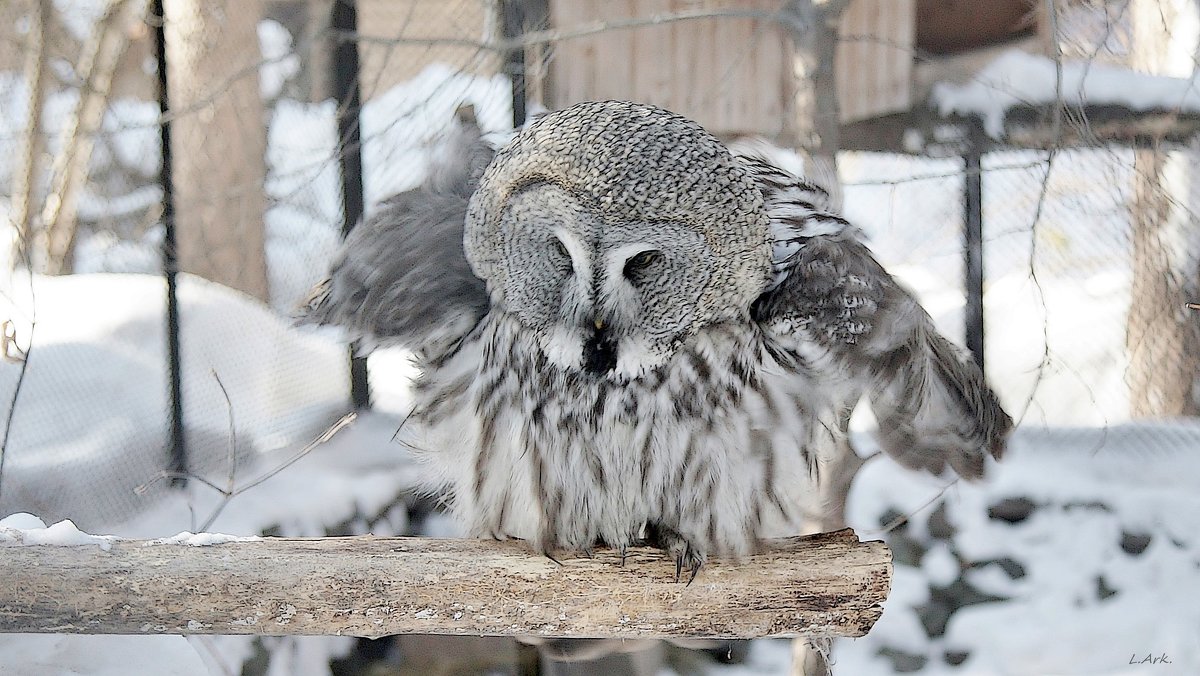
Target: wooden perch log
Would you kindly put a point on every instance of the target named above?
(823, 585)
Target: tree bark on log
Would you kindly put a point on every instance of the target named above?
(828, 584)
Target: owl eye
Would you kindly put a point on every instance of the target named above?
(642, 261)
(560, 248)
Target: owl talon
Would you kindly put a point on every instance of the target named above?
(624, 553)
(694, 564)
(550, 556)
(678, 547)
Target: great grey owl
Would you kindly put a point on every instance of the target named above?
(625, 331)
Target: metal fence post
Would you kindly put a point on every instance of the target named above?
(973, 240)
(346, 90)
(513, 28)
(177, 464)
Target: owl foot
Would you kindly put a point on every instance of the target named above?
(678, 547)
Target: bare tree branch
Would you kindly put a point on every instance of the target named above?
(97, 63)
(25, 177)
(824, 585)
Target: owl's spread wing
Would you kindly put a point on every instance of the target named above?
(834, 305)
(401, 277)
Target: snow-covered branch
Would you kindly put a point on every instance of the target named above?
(823, 585)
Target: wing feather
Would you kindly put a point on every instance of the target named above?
(401, 276)
(836, 307)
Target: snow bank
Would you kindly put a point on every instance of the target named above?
(403, 126)
(353, 483)
(90, 429)
(23, 529)
(1092, 537)
(1018, 78)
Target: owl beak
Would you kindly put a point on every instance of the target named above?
(600, 350)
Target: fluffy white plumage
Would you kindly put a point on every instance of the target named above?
(627, 332)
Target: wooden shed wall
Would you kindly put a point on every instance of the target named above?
(385, 65)
(874, 61)
(733, 75)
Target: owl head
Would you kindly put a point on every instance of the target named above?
(613, 232)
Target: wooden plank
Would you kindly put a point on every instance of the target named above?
(779, 56)
(664, 76)
(385, 65)
(874, 61)
(903, 59)
(730, 74)
(611, 61)
(699, 40)
(562, 69)
(825, 585)
(652, 47)
(682, 86)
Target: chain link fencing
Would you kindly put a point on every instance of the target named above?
(1090, 253)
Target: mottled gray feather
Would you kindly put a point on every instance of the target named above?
(582, 397)
(401, 277)
(836, 305)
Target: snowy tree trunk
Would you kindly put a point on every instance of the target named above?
(825, 585)
(1162, 336)
(218, 140)
(27, 171)
(97, 65)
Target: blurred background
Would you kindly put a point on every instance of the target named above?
(175, 175)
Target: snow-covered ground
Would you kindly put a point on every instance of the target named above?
(91, 424)
(1090, 536)
(89, 441)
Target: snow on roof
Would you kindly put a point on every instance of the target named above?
(1018, 78)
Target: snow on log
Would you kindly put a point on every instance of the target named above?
(828, 584)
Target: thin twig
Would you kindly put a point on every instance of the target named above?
(230, 494)
(312, 445)
(16, 395)
(903, 518)
(229, 484)
(1043, 194)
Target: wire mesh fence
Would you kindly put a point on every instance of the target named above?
(1090, 244)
